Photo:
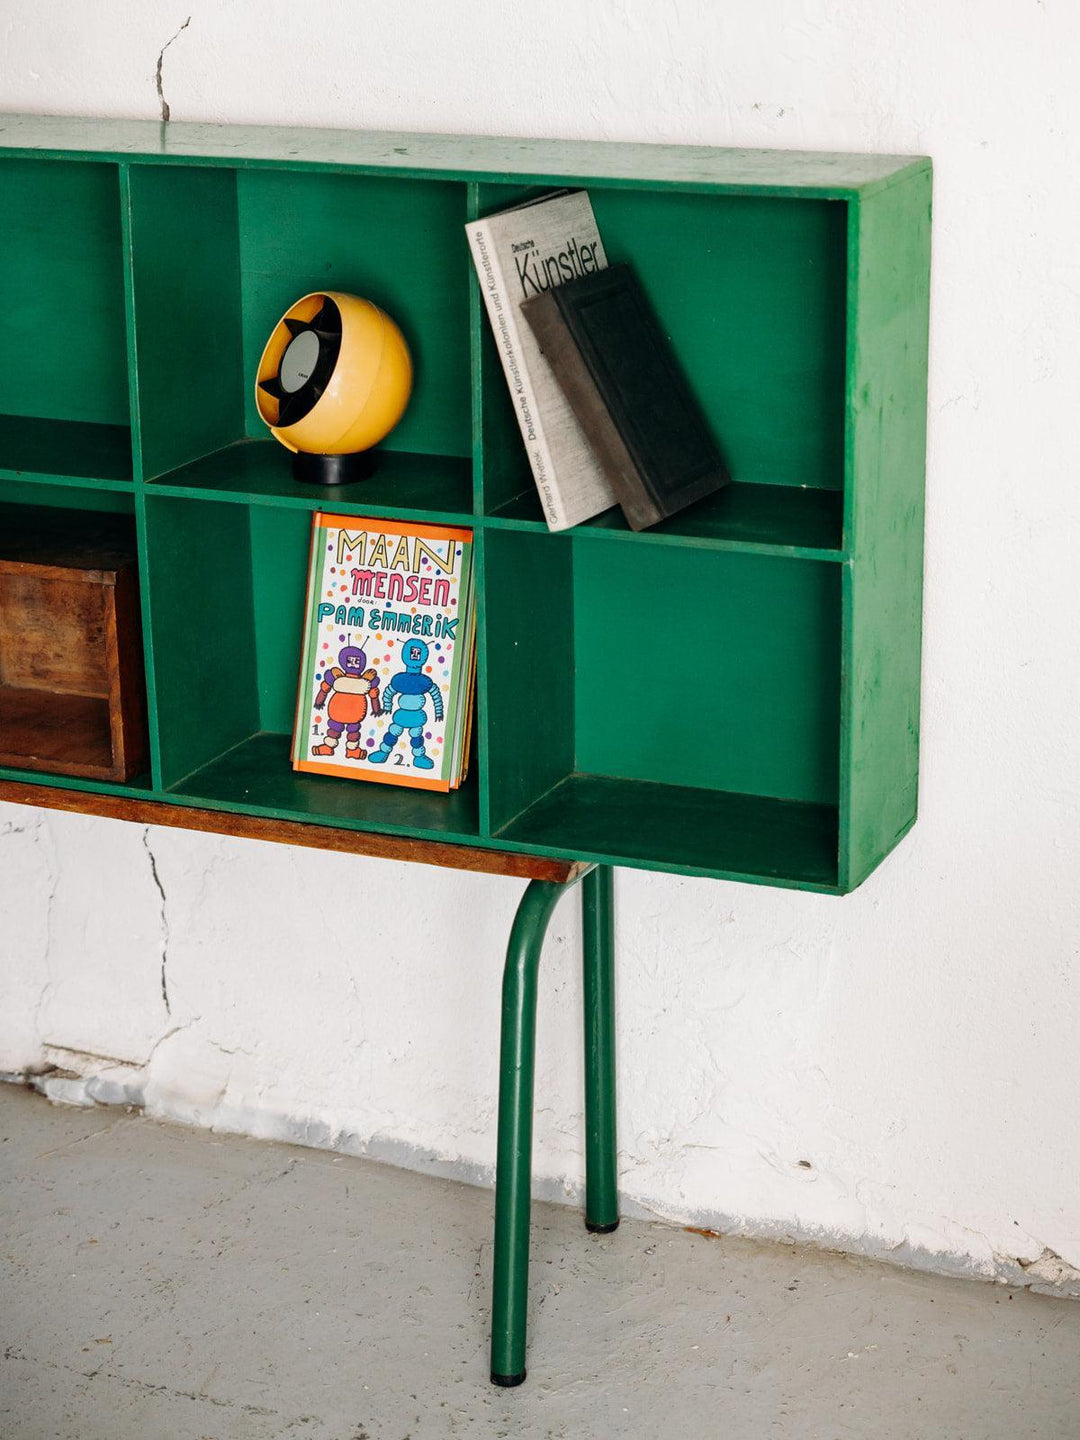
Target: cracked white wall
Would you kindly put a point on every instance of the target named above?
(916, 1043)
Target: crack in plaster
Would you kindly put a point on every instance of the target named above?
(164, 921)
(1048, 1272)
(173, 1030)
(165, 111)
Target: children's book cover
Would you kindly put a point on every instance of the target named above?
(389, 653)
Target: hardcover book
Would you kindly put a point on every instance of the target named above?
(525, 251)
(388, 660)
(620, 374)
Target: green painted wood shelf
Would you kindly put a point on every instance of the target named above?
(733, 694)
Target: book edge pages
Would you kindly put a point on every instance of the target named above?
(459, 675)
(479, 234)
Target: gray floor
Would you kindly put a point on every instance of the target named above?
(160, 1282)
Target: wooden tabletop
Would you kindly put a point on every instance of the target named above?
(292, 832)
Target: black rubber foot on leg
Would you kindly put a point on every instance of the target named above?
(333, 469)
(507, 1381)
(601, 1229)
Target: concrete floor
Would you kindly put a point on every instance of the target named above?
(160, 1282)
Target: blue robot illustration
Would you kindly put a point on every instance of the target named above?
(407, 693)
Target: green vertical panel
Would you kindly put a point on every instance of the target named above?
(280, 546)
(74, 497)
(153, 722)
(477, 323)
(400, 243)
(186, 300)
(479, 760)
(504, 467)
(203, 629)
(888, 312)
(529, 709)
(127, 243)
(62, 354)
(711, 669)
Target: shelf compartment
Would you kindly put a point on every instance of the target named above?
(752, 292)
(705, 683)
(207, 295)
(55, 733)
(65, 451)
(227, 598)
(63, 351)
(780, 518)
(72, 701)
(410, 486)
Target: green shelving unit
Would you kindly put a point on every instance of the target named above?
(733, 694)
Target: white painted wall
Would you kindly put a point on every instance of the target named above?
(916, 1043)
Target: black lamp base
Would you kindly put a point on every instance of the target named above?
(333, 469)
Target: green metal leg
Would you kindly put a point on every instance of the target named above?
(601, 1163)
(513, 1175)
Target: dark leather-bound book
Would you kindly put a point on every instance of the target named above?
(618, 370)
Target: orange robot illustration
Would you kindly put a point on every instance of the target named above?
(349, 687)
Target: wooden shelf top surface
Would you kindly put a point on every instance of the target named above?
(292, 832)
(462, 157)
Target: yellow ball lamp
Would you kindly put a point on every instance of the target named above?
(334, 379)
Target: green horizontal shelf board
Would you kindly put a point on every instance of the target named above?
(486, 158)
(67, 495)
(766, 519)
(137, 788)
(500, 842)
(257, 774)
(71, 482)
(693, 830)
(258, 472)
(69, 451)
